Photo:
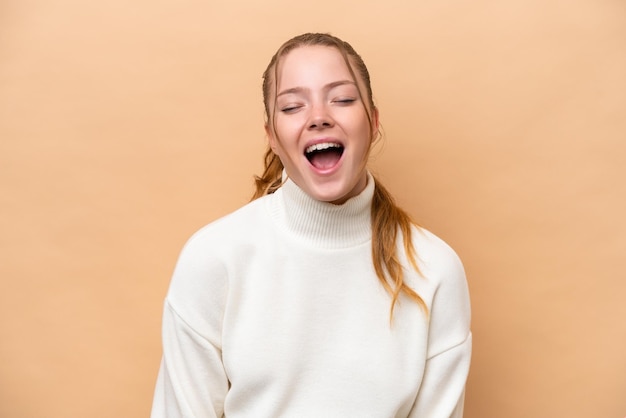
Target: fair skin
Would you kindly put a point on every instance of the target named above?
(321, 131)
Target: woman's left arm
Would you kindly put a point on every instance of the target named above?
(441, 394)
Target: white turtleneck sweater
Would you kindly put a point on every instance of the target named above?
(275, 311)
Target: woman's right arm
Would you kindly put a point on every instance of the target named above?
(192, 382)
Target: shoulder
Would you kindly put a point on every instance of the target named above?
(234, 225)
(449, 302)
(204, 260)
(435, 256)
(212, 246)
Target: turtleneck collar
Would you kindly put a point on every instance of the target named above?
(324, 224)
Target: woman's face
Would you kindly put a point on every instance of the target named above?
(321, 130)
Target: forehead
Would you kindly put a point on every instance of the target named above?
(311, 65)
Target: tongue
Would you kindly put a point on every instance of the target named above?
(323, 160)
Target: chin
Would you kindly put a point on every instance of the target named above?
(336, 191)
(334, 196)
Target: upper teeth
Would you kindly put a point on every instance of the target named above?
(322, 146)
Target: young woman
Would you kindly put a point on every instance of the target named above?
(319, 298)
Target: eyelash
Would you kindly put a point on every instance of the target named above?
(344, 101)
(290, 109)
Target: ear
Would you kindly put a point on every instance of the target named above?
(375, 122)
(271, 138)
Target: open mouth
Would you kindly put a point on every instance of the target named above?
(324, 155)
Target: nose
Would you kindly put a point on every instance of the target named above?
(320, 118)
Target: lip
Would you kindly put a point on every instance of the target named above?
(321, 141)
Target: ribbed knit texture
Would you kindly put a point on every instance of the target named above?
(323, 224)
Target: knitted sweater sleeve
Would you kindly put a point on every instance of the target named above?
(192, 382)
(441, 394)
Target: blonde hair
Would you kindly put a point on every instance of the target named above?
(387, 218)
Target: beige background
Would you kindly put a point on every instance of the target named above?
(125, 126)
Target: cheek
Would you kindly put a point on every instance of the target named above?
(288, 129)
(364, 130)
(282, 141)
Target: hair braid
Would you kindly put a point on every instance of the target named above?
(387, 220)
(270, 180)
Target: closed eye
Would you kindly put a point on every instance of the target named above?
(344, 101)
(290, 108)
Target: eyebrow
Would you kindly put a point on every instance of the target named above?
(328, 86)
